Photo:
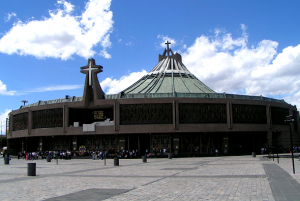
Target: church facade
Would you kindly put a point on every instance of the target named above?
(169, 108)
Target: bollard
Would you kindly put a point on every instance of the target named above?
(170, 156)
(253, 154)
(116, 161)
(48, 158)
(31, 169)
(144, 159)
(6, 160)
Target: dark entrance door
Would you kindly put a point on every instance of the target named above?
(32, 144)
(144, 143)
(133, 142)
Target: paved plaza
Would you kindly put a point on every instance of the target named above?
(194, 178)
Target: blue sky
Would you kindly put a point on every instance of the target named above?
(244, 47)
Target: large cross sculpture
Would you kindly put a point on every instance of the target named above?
(168, 49)
(90, 69)
(167, 43)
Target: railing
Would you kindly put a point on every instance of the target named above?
(161, 95)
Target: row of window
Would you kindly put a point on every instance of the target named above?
(135, 114)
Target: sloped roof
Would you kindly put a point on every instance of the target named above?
(170, 75)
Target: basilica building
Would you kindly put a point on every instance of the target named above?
(169, 108)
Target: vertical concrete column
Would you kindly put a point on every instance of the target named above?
(74, 142)
(177, 114)
(11, 125)
(65, 118)
(174, 115)
(117, 116)
(229, 114)
(41, 144)
(269, 117)
(29, 126)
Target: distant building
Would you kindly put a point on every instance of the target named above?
(169, 108)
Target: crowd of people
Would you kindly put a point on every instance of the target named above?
(43, 155)
(94, 154)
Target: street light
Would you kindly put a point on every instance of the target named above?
(290, 120)
(275, 146)
(24, 101)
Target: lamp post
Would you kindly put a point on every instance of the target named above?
(24, 101)
(268, 150)
(275, 134)
(273, 144)
(290, 120)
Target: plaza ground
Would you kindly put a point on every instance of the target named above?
(193, 178)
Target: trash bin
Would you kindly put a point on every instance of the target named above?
(31, 169)
(6, 161)
(116, 161)
(170, 156)
(48, 158)
(253, 154)
(144, 159)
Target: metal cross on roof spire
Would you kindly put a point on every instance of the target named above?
(167, 43)
(168, 49)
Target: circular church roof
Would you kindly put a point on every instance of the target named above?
(170, 75)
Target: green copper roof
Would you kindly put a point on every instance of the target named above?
(170, 75)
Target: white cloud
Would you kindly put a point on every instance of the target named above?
(114, 86)
(9, 16)
(164, 39)
(3, 116)
(227, 64)
(3, 90)
(62, 34)
(54, 88)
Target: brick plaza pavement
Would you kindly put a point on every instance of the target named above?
(195, 178)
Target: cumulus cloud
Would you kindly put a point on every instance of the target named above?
(114, 86)
(9, 16)
(3, 116)
(3, 90)
(62, 34)
(227, 64)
